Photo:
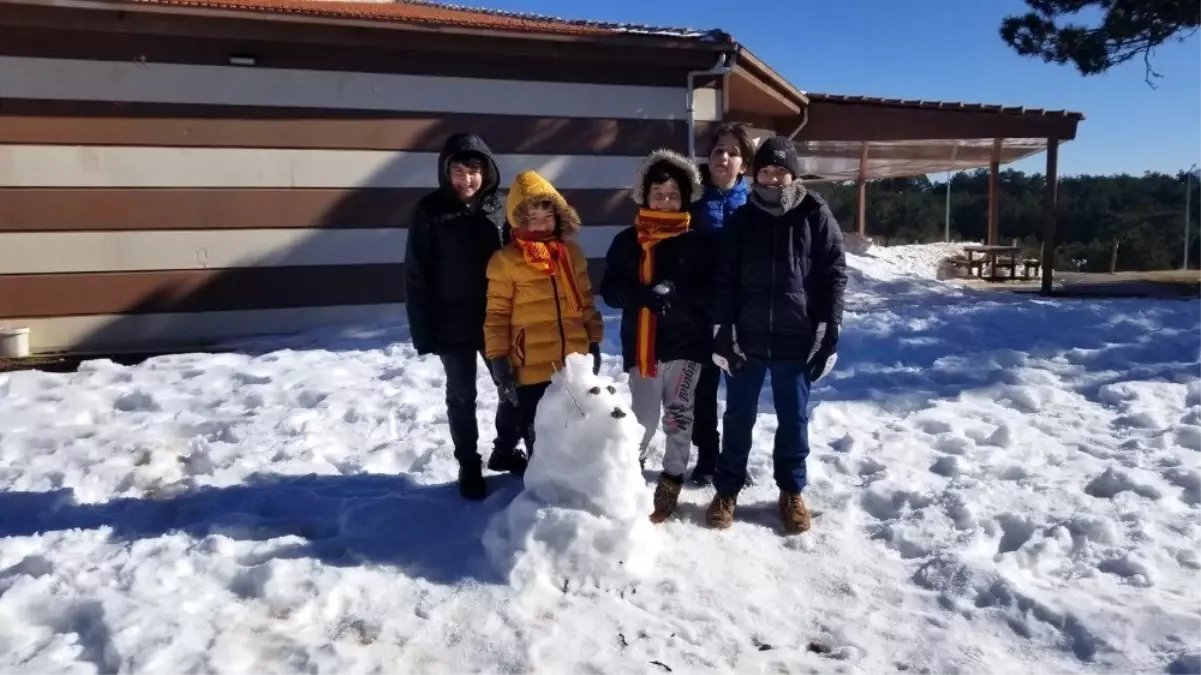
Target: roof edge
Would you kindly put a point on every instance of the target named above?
(962, 106)
(765, 73)
(198, 8)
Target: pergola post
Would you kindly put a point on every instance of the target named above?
(862, 185)
(1050, 196)
(994, 192)
(862, 208)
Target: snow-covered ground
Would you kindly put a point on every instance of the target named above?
(1001, 483)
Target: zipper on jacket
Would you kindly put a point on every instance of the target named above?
(554, 286)
(771, 297)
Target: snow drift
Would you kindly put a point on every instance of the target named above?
(582, 516)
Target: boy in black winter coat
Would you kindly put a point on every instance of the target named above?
(657, 272)
(453, 233)
(778, 297)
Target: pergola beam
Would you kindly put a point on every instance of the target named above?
(851, 121)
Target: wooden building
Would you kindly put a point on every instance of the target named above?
(178, 172)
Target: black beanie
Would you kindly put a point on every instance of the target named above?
(659, 172)
(778, 151)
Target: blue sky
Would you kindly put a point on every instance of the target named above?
(946, 50)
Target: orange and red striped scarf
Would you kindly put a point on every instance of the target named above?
(652, 227)
(548, 255)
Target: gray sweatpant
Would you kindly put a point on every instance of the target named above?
(671, 391)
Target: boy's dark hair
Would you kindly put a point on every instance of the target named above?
(469, 158)
(661, 173)
(741, 135)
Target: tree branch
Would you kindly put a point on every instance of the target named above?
(1128, 29)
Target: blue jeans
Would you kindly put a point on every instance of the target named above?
(790, 395)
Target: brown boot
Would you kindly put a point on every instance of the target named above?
(720, 513)
(667, 495)
(793, 513)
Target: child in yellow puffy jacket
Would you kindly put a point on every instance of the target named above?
(540, 305)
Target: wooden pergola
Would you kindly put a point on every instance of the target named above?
(859, 138)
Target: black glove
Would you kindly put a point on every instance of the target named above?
(594, 350)
(506, 383)
(825, 351)
(726, 353)
(656, 298)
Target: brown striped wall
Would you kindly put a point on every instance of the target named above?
(154, 197)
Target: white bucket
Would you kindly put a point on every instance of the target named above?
(14, 343)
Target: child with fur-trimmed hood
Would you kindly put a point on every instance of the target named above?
(540, 304)
(657, 272)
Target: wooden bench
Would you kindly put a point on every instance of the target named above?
(1029, 264)
(1005, 262)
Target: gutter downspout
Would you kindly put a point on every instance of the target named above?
(724, 65)
(803, 124)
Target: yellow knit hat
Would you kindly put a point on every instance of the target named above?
(528, 186)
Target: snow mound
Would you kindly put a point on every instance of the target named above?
(583, 515)
(915, 260)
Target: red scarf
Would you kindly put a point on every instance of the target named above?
(652, 227)
(548, 255)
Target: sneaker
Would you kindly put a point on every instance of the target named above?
(471, 483)
(508, 461)
(667, 496)
(794, 515)
(720, 513)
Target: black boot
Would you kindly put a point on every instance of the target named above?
(706, 465)
(508, 461)
(471, 482)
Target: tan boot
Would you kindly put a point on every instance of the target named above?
(720, 513)
(667, 496)
(793, 513)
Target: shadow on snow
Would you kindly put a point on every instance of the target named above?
(426, 531)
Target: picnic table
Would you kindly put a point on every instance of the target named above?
(996, 257)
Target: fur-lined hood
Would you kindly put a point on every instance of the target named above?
(680, 162)
(529, 187)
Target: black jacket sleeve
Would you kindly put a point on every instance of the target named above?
(829, 269)
(727, 259)
(420, 301)
(615, 287)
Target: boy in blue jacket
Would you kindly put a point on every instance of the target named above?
(725, 190)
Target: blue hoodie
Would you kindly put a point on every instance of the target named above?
(712, 211)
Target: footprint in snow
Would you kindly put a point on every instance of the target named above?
(1114, 482)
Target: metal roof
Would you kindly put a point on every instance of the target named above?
(422, 12)
(942, 105)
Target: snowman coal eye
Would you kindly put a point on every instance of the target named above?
(595, 391)
(612, 389)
